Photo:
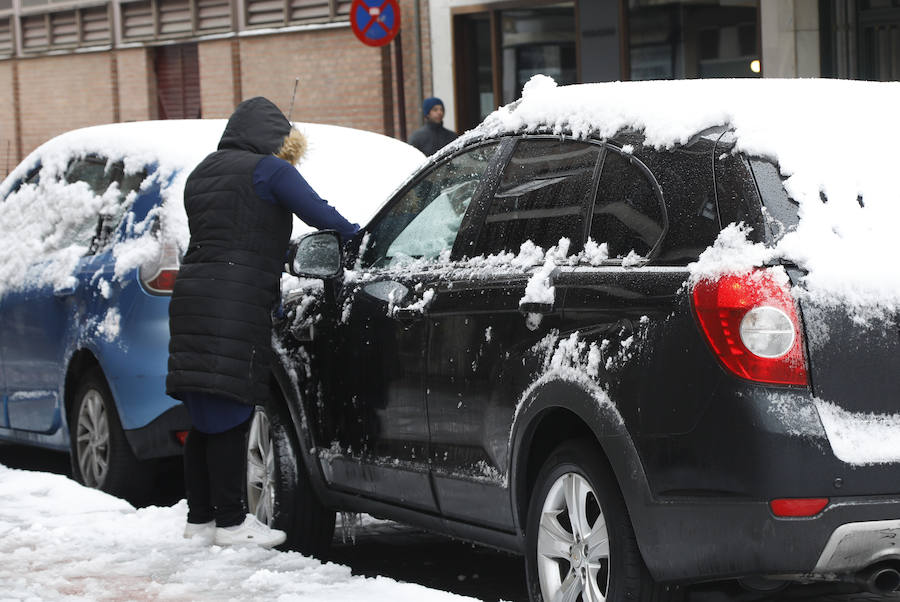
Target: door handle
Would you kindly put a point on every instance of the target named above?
(536, 307)
(407, 316)
(65, 291)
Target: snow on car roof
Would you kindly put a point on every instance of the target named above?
(354, 170)
(378, 163)
(834, 140)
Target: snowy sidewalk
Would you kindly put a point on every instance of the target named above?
(62, 541)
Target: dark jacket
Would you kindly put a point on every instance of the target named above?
(431, 137)
(220, 313)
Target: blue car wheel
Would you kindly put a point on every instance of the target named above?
(100, 454)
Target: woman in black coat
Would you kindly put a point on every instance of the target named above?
(239, 201)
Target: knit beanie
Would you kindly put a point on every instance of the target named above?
(430, 103)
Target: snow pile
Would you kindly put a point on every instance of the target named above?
(860, 438)
(807, 126)
(59, 540)
(55, 222)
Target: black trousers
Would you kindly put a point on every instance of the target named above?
(215, 466)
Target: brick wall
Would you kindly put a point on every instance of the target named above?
(216, 81)
(136, 84)
(342, 81)
(8, 157)
(61, 93)
(340, 78)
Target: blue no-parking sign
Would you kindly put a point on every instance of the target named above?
(375, 22)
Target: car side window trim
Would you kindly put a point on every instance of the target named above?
(473, 220)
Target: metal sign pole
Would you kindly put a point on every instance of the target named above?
(401, 94)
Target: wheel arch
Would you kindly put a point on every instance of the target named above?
(80, 362)
(562, 410)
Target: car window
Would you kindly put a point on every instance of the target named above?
(737, 197)
(33, 178)
(100, 175)
(628, 214)
(783, 210)
(544, 195)
(685, 177)
(423, 222)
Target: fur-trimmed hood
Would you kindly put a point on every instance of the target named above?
(257, 126)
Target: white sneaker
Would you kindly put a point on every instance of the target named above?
(205, 531)
(251, 532)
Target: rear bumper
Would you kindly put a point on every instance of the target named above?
(157, 439)
(854, 546)
(706, 539)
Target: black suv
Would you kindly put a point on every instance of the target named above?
(513, 352)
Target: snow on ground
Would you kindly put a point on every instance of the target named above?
(62, 541)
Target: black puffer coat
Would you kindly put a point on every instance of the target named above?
(220, 320)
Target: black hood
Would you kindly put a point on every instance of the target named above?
(256, 125)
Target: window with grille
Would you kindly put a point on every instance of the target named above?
(267, 13)
(95, 25)
(137, 20)
(6, 41)
(213, 15)
(35, 32)
(174, 17)
(146, 19)
(64, 29)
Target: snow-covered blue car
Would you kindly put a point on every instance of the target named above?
(93, 227)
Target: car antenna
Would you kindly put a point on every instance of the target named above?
(293, 95)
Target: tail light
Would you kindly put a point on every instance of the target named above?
(752, 325)
(158, 275)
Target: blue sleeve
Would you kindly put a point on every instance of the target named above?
(277, 181)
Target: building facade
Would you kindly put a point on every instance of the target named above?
(71, 63)
(497, 45)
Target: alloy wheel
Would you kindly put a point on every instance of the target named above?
(261, 469)
(92, 439)
(573, 543)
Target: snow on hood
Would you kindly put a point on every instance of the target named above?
(354, 170)
(832, 139)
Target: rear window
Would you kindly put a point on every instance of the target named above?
(100, 175)
(686, 179)
(628, 213)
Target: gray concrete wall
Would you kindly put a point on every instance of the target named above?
(790, 38)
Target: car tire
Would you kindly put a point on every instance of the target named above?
(101, 457)
(279, 493)
(585, 551)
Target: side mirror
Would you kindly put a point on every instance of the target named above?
(316, 255)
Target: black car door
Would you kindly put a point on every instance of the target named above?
(379, 343)
(484, 322)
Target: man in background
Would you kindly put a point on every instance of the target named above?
(432, 136)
